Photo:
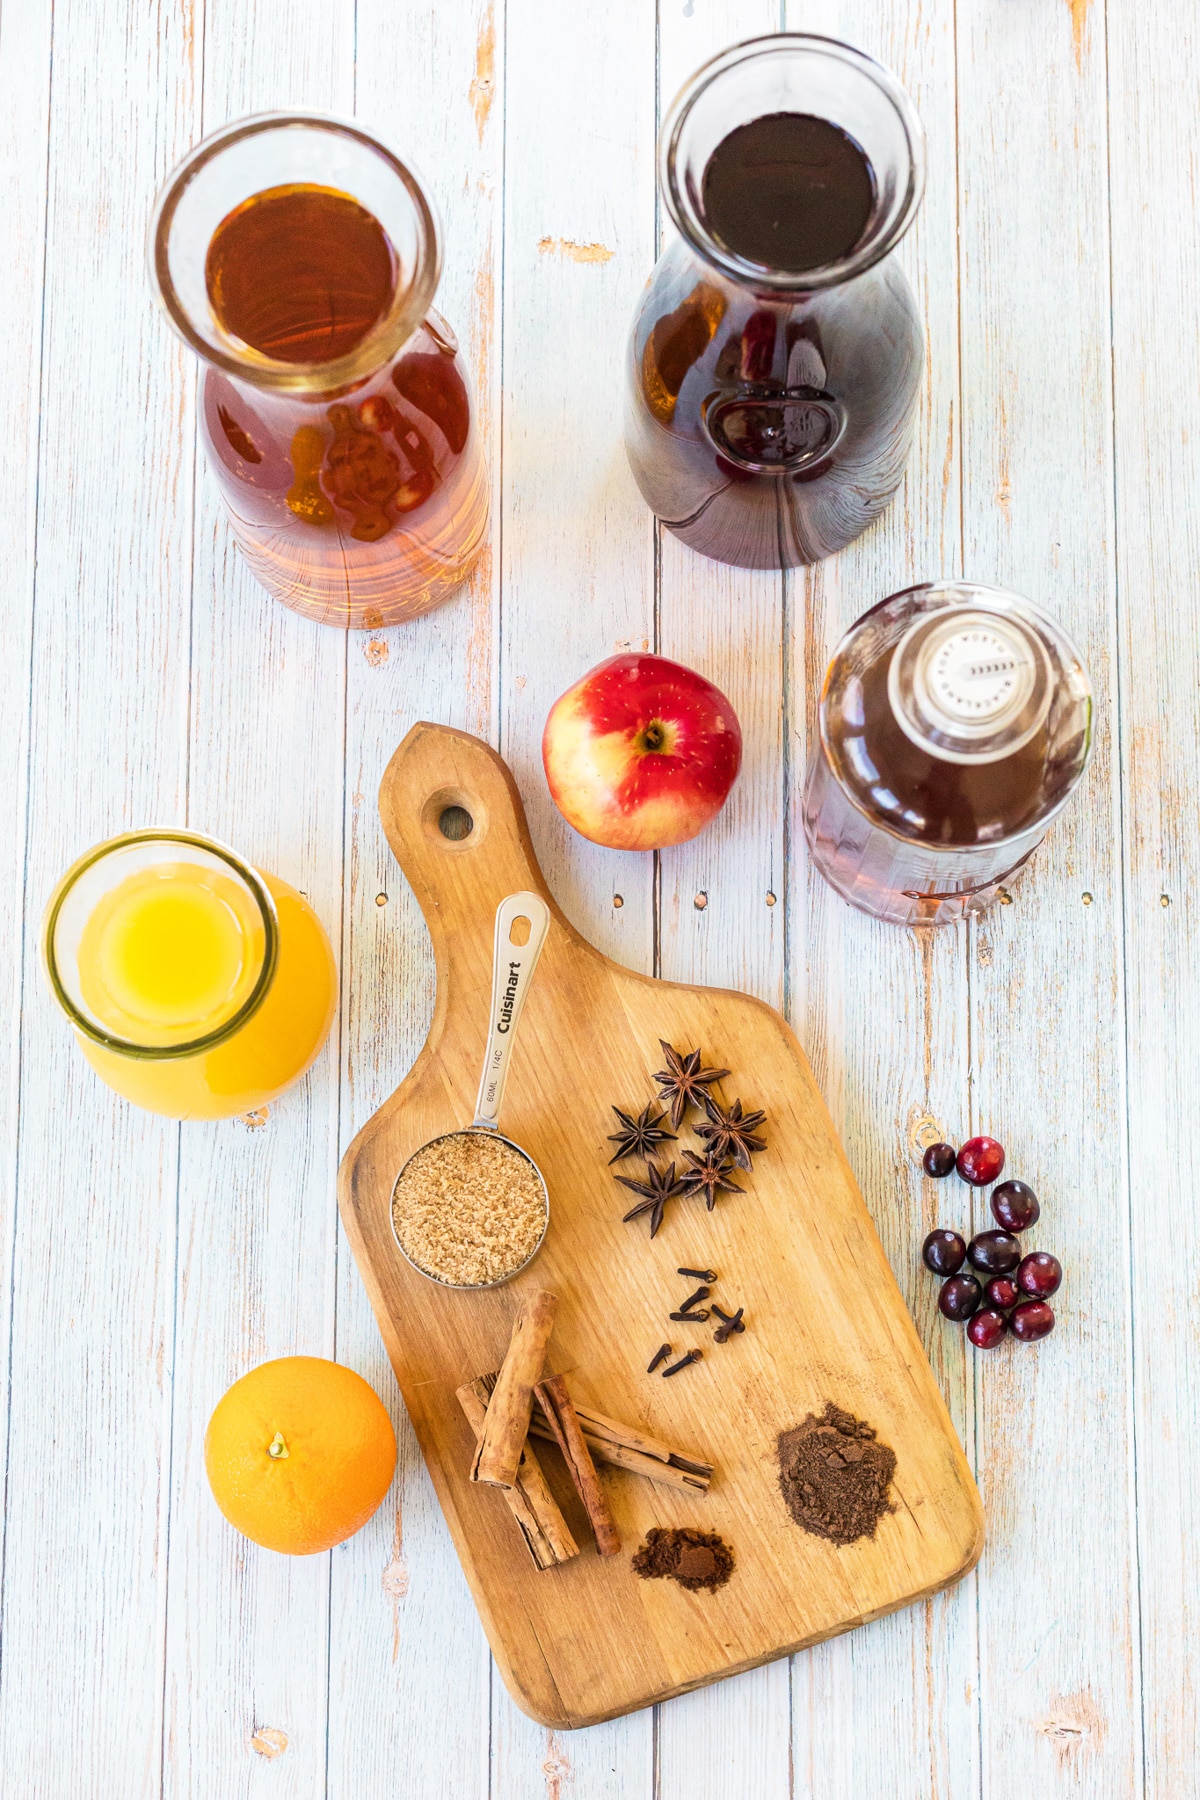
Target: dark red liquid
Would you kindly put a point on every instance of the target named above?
(936, 802)
(301, 273)
(769, 429)
(789, 190)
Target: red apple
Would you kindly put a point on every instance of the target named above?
(641, 753)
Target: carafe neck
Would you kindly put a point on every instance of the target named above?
(281, 151)
(823, 80)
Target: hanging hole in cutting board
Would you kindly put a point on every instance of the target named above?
(454, 819)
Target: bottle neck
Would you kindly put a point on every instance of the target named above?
(970, 686)
(956, 715)
(112, 901)
(822, 80)
(279, 151)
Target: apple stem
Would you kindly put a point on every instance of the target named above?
(654, 735)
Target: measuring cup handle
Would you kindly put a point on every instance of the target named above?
(512, 970)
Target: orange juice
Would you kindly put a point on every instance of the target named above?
(171, 953)
(198, 988)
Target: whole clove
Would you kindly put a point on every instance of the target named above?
(730, 1322)
(694, 1300)
(692, 1318)
(699, 1274)
(660, 1355)
(692, 1356)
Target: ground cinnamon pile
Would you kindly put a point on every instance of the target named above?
(695, 1559)
(834, 1477)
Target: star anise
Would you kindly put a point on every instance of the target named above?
(683, 1082)
(659, 1187)
(708, 1175)
(637, 1137)
(730, 1132)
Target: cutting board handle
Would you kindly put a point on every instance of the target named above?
(522, 921)
(456, 825)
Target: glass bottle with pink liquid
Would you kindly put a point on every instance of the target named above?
(954, 724)
(299, 256)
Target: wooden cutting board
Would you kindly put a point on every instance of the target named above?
(825, 1319)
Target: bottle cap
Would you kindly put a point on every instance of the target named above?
(970, 686)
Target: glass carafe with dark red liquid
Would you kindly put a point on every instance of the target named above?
(776, 356)
(955, 722)
(299, 257)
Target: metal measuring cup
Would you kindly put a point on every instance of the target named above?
(513, 963)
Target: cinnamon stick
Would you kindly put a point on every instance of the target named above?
(620, 1456)
(498, 1452)
(624, 1447)
(596, 1425)
(546, 1533)
(564, 1422)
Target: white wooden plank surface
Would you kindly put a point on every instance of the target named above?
(1155, 146)
(577, 545)
(716, 926)
(24, 112)
(94, 1263)
(141, 1268)
(257, 1231)
(406, 1645)
(1046, 970)
(883, 1014)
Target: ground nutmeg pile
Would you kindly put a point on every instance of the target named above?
(468, 1209)
(695, 1559)
(834, 1477)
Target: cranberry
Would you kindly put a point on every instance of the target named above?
(944, 1252)
(980, 1160)
(1015, 1206)
(994, 1253)
(1031, 1320)
(960, 1297)
(1040, 1274)
(1002, 1292)
(986, 1329)
(938, 1160)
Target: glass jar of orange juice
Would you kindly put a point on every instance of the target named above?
(197, 987)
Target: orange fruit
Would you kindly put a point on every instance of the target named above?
(299, 1453)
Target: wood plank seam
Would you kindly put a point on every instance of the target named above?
(25, 752)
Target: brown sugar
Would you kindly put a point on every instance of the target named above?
(695, 1559)
(834, 1477)
(468, 1209)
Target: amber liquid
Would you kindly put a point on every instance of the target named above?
(360, 508)
(300, 273)
(931, 801)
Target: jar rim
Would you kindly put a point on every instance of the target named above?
(262, 896)
(871, 249)
(381, 343)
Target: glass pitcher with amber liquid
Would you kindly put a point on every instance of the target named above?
(776, 356)
(299, 256)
